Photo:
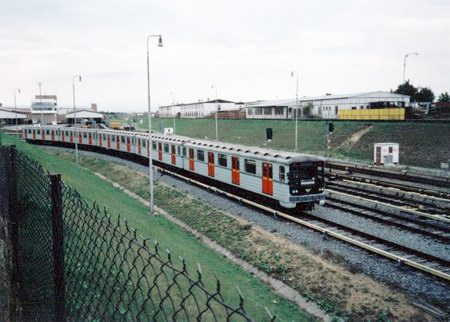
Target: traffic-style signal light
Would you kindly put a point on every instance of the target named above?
(330, 127)
(268, 134)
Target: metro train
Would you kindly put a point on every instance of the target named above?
(293, 180)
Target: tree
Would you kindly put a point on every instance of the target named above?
(444, 97)
(424, 94)
(406, 89)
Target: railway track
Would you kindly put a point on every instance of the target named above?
(387, 196)
(400, 254)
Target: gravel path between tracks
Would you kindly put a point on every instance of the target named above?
(413, 282)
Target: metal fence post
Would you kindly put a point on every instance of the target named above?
(58, 247)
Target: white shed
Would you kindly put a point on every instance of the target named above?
(386, 153)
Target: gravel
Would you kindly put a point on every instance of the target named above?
(411, 281)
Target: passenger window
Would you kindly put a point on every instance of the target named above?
(166, 148)
(113, 138)
(282, 173)
(184, 152)
(85, 135)
(122, 139)
(154, 145)
(144, 143)
(222, 160)
(250, 166)
(47, 132)
(179, 150)
(200, 155)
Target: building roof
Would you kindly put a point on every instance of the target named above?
(292, 102)
(219, 100)
(11, 115)
(84, 114)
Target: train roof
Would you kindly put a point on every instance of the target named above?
(217, 146)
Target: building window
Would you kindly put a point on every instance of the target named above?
(390, 149)
(166, 148)
(222, 159)
(353, 107)
(279, 110)
(200, 155)
(336, 110)
(267, 111)
(250, 111)
(250, 166)
(258, 111)
(282, 173)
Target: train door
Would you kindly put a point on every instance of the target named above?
(53, 135)
(71, 136)
(43, 135)
(267, 183)
(80, 138)
(108, 137)
(128, 144)
(118, 143)
(100, 140)
(90, 138)
(34, 134)
(191, 160)
(63, 136)
(211, 164)
(26, 134)
(160, 151)
(173, 155)
(139, 145)
(235, 172)
(378, 155)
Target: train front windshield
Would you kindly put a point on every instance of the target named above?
(305, 175)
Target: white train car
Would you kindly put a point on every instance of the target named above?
(291, 179)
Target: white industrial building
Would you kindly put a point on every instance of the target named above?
(196, 110)
(44, 109)
(327, 106)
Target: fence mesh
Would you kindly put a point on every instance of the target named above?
(98, 268)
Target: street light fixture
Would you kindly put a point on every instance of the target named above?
(75, 114)
(296, 112)
(150, 161)
(404, 64)
(16, 90)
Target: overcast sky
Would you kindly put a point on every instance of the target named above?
(246, 48)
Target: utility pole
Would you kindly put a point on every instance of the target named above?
(40, 98)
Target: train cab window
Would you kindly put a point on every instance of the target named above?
(222, 160)
(122, 139)
(200, 155)
(184, 152)
(166, 148)
(154, 146)
(282, 173)
(250, 166)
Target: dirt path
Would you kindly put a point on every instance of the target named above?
(351, 141)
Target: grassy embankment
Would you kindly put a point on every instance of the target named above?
(421, 144)
(169, 235)
(338, 291)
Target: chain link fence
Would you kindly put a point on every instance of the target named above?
(72, 261)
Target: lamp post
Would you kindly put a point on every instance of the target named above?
(404, 64)
(215, 116)
(150, 162)
(173, 111)
(16, 90)
(75, 115)
(296, 112)
(40, 98)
